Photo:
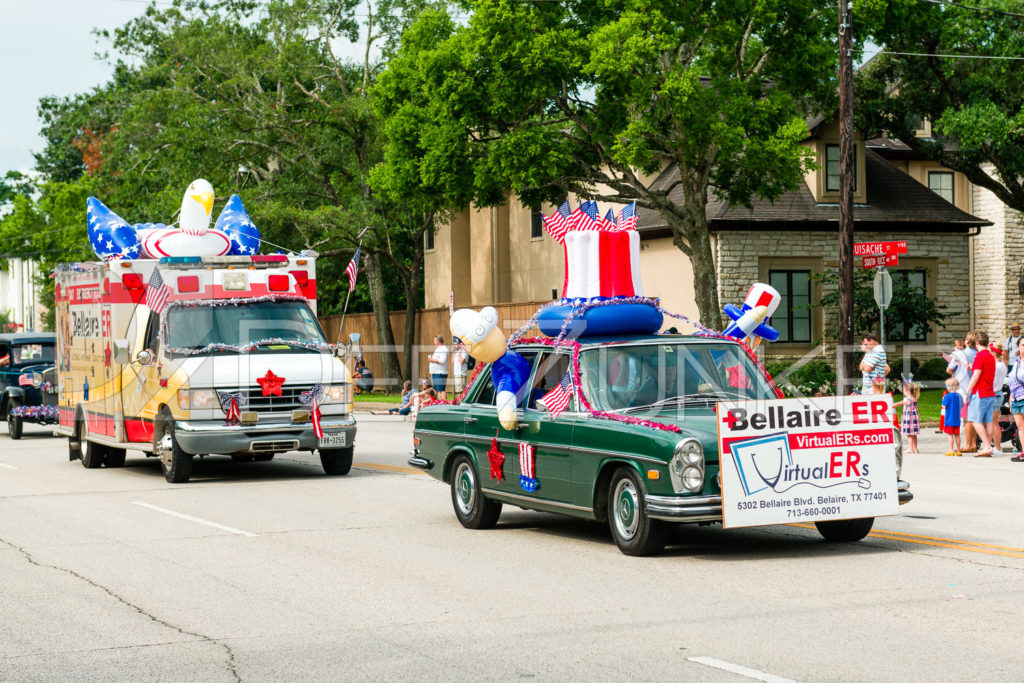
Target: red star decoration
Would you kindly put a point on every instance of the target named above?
(497, 459)
(271, 383)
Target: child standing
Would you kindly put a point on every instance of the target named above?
(910, 425)
(952, 402)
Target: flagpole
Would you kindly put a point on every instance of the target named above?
(341, 324)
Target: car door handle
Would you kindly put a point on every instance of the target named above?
(469, 420)
(521, 425)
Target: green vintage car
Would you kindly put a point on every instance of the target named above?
(637, 477)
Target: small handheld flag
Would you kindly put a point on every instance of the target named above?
(557, 400)
(157, 292)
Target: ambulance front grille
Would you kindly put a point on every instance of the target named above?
(288, 400)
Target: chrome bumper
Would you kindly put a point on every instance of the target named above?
(709, 508)
(216, 437)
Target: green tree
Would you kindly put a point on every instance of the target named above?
(547, 98)
(910, 306)
(974, 105)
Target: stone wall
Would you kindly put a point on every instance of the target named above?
(744, 257)
(998, 253)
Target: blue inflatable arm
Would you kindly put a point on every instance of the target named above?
(510, 373)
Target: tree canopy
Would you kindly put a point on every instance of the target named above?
(953, 75)
(593, 98)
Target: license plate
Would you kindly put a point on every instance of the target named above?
(333, 440)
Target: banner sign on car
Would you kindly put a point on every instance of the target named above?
(881, 260)
(873, 248)
(807, 460)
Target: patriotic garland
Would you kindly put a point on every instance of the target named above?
(44, 413)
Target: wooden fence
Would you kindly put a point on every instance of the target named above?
(429, 322)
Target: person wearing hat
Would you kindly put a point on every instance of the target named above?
(460, 363)
(1010, 353)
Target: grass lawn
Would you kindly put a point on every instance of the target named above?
(928, 405)
(379, 398)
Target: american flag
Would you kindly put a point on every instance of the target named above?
(610, 217)
(527, 461)
(353, 269)
(589, 210)
(317, 429)
(557, 224)
(627, 217)
(157, 292)
(557, 400)
(24, 380)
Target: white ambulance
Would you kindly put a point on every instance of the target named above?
(187, 356)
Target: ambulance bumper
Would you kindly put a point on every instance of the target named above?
(202, 436)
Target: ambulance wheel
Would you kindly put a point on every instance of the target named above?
(336, 461)
(845, 530)
(91, 454)
(14, 423)
(175, 463)
(115, 457)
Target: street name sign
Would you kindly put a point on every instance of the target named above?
(881, 260)
(872, 248)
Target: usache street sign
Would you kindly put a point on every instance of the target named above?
(872, 248)
(807, 460)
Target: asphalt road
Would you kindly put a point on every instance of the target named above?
(272, 571)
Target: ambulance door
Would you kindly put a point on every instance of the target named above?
(141, 382)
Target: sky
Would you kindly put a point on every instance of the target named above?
(47, 48)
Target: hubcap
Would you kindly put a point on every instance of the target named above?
(626, 515)
(465, 488)
(164, 448)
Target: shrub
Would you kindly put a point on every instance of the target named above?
(933, 369)
(778, 367)
(807, 379)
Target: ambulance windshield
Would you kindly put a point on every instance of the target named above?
(661, 376)
(196, 327)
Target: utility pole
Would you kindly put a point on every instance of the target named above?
(844, 357)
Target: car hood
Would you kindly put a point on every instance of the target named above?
(699, 422)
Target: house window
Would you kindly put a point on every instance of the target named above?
(536, 224)
(941, 183)
(832, 168)
(793, 316)
(895, 329)
(428, 241)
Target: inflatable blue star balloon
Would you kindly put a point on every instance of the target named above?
(236, 224)
(109, 234)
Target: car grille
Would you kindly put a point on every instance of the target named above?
(273, 446)
(288, 400)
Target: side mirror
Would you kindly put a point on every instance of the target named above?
(122, 354)
(145, 357)
(340, 350)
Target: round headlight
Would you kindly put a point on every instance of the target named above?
(693, 478)
(689, 451)
(37, 380)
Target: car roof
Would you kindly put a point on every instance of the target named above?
(641, 338)
(25, 337)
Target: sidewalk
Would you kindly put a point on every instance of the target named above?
(929, 442)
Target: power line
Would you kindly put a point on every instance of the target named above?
(932, 54)
(975, 8)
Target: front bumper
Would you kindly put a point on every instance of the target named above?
(709, 508)
(202, 436)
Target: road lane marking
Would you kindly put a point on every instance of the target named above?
(939, 542)
(197, 520)
(390, 468)
(740, 670)
(10, 467)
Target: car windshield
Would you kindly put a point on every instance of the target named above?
(195, 327)
(31, 354)
(666, 375)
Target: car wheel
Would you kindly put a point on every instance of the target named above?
(474, 510)
(175, 463)
(336, 461)
(115, 457)
(634, 532)
(845, 530)
(14, 423)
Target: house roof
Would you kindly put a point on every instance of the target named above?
(895, 202)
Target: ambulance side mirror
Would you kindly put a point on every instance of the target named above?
(340, 350)
(122, 352)
(144, 357)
